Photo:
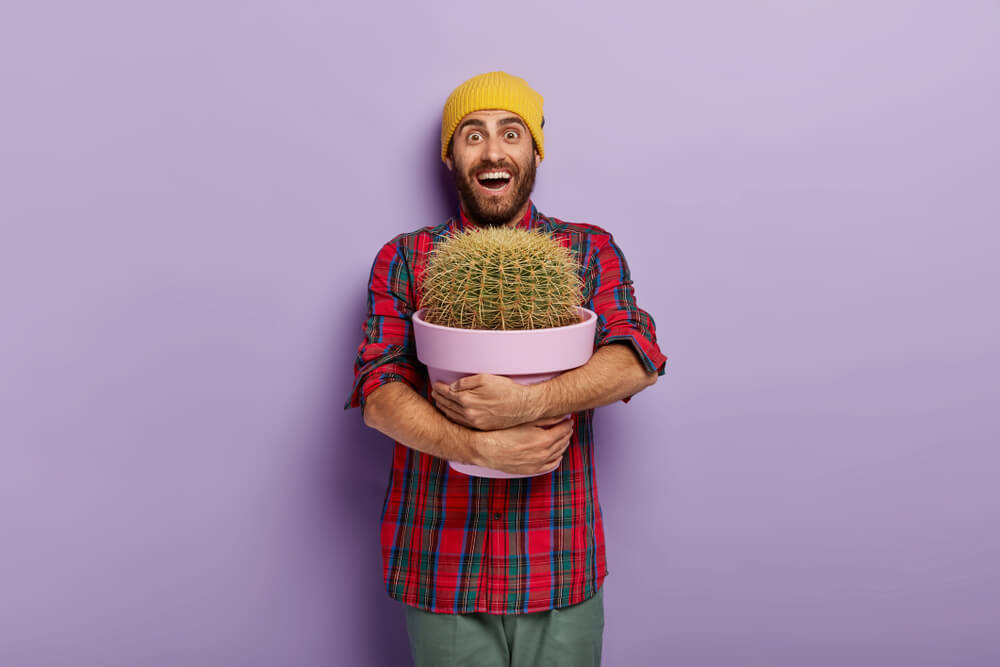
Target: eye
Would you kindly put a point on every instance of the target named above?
(474, 136)
(511, 135)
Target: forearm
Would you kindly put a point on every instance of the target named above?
(399, 412)
(613, 372)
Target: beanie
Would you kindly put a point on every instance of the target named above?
(493, 90)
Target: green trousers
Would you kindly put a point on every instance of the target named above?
(570, 637)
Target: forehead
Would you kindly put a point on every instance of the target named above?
(490, 117)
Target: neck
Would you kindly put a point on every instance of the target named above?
(517, 217)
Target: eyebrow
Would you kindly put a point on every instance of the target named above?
(475, 122)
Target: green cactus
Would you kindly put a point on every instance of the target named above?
(501, 278)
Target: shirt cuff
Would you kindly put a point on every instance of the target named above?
(371, 380)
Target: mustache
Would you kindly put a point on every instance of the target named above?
(491, 166)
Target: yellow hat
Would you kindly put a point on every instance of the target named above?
(493, 90)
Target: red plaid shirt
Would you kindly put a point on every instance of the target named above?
(458, 544)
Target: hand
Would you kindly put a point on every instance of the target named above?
(527, 449)
(486, 402)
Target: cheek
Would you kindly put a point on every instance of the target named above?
(463, 165)
(465, 155)
(525, 158)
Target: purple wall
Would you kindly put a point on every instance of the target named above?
(191, 196)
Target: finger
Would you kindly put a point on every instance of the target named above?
(468, 382)
(553, 464)
(458, 401)
(453, 415)
(553, 450)
(558, 442)
(446, 400)
(444, 390)
(449, 413)
(562, 443)
(565, 422)
(548, 421)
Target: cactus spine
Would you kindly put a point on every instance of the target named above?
(501, 278)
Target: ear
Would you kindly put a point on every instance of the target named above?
(538, 159)
(448, 163)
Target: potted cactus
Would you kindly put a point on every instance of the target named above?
(501, 301)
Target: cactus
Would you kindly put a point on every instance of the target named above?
(501, 278)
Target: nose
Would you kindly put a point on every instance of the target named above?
(494, 149)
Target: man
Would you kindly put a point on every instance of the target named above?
(497, 571)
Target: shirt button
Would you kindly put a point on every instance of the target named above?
(496, 515)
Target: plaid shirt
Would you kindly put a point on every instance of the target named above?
(458, 544)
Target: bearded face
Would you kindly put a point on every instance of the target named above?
(493, 166)
(493, 193)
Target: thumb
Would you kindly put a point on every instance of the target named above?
(550, 421)
(468, 382)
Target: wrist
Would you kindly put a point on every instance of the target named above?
(536, 397)
(476, 447)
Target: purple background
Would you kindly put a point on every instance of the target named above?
(192, 195)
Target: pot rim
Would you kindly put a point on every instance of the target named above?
(589, 316)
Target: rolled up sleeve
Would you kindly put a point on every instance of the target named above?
(619, 318)
(387, 352)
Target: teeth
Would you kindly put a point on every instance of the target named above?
(494, 174)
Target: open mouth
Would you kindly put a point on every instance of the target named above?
(494, 181)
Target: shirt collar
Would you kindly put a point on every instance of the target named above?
(532, 218)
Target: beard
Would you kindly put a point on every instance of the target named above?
(494, 211)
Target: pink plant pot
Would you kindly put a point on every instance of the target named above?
(525, 356)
